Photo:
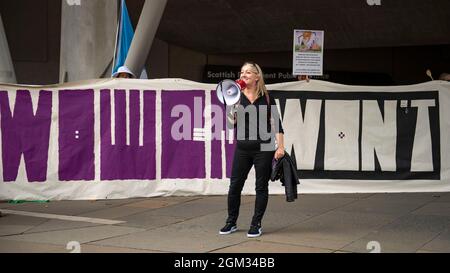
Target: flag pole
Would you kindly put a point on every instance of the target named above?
(117, 36)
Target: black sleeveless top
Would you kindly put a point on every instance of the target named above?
(248, 116)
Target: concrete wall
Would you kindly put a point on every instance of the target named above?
(410, 63)
(158, 60)
(7, 73)
(185, 63)
(88, 35)
(406, 65)
(33, 31)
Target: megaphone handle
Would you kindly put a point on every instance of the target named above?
(231, 117)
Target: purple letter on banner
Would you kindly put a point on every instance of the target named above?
(119, 160)
(216, 146)
(182, 158)
(76, 135)
(24, 132)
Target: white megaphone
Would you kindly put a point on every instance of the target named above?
(229, 92)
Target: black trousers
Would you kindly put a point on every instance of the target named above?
(243, 161)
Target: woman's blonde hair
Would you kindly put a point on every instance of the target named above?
(261, 89)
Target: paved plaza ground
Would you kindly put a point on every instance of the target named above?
(314, 223)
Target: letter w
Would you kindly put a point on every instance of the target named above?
(24, 132)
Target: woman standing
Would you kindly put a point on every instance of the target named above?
(253, 150)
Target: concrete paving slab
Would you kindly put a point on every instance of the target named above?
(72, 207)
(280, 213)
(113, 213)
(412, 197)
(62, 217)
(196, 235)
(440, 244)
(176, 239)
(13, 219)
(339, 225)
(338, 195)
(279, 204)
(394, 207)
(54, 225)
(424, 252)
(82, 235)
(288, 237)
(330, 230)
(160, 202)
(443, 197)
(194, 208)
(11, 246)
(147, 220)
(246, 212)
(180, 199)
(272, 221)
(210, 223)
(118, 202)
(65, 207)
(406, 234)
(310, 205)
(269, 247)
(13, 229)
(151, 204)
(92, 248)
(434, 208)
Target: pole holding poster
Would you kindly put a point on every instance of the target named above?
(308, 52)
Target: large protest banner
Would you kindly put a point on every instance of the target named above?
(122, 138)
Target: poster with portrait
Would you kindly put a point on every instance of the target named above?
(308, 52)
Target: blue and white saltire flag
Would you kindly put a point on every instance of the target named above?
(125, 35)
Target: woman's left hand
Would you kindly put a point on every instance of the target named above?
(279, 153)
